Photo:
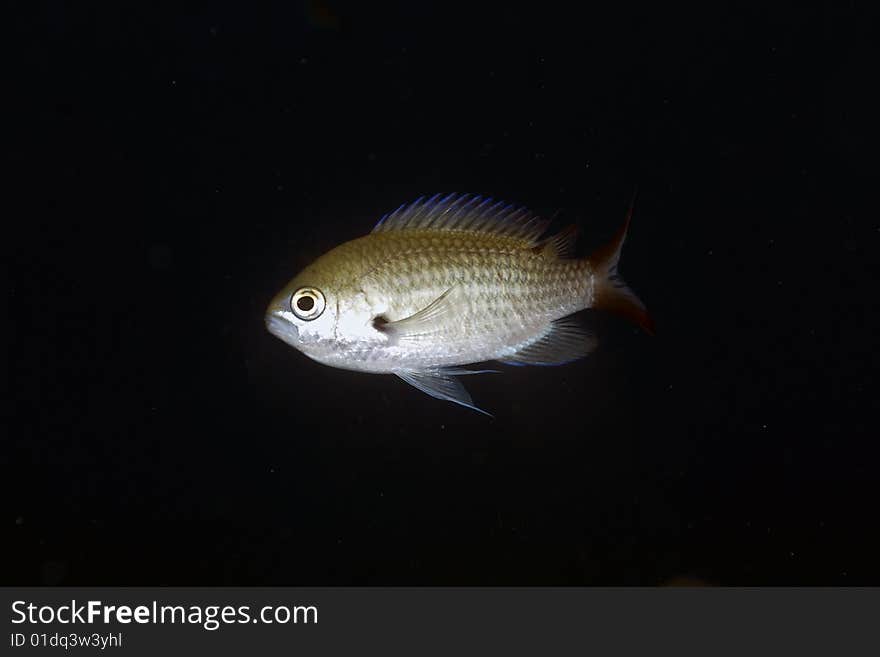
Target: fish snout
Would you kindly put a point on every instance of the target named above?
(282, 327)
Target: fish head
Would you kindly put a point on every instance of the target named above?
(325, 314)
(303, 314)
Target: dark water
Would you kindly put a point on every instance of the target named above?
(182, 163)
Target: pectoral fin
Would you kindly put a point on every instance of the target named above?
(424, 322)
(441, 384)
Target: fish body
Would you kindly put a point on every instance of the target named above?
(447, 282)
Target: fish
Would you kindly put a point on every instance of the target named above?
(447, 282)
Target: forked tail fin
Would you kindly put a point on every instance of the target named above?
(610, 292)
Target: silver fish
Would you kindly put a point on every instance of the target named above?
(450, 281)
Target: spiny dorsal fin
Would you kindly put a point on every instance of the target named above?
(467, 213)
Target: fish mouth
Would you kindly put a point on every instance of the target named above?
(281, 327)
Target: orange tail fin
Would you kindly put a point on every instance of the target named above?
(611, 293)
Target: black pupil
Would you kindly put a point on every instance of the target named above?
(305, 304)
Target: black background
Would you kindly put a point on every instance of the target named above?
(181, 162)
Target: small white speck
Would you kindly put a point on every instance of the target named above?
(763, 426)
(303, 60)
(173, 82)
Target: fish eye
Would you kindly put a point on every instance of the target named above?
(307, 303)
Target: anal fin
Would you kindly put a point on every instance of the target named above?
(563, 341)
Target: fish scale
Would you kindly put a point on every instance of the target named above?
(447, 282)
(539, 289)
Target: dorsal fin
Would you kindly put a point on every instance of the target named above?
(467, 213)
(560, 245)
